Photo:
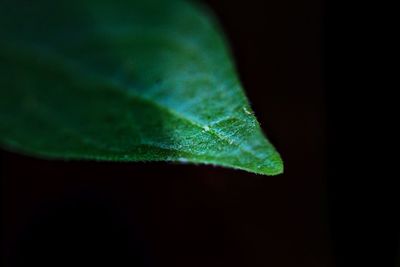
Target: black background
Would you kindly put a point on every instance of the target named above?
(319, 213)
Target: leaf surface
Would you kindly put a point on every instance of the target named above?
(144, 80)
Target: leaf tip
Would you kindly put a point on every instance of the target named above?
(273, 166)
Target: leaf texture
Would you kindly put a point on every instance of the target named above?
(145, 80)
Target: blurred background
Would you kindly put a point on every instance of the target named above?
(157, 214)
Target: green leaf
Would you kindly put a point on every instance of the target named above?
(144, 80)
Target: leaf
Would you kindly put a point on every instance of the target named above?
(145, 80)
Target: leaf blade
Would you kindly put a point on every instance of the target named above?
(106, 88)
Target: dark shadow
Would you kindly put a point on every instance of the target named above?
(81, 231)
